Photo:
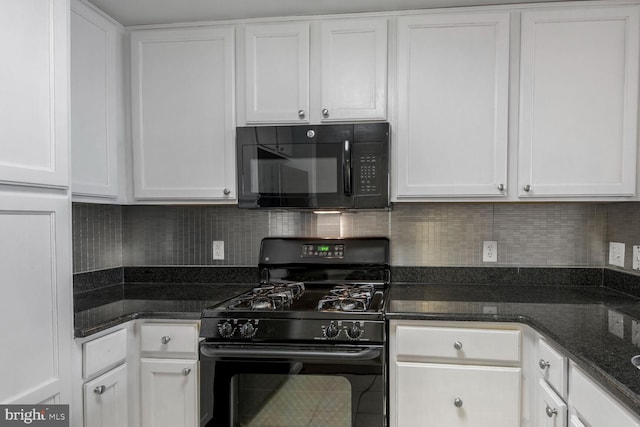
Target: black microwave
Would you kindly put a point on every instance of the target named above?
(331, 166)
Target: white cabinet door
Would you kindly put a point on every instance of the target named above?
(452, 105)
(105, 400)
(35, 260)
(34, 92)
(589, 402)
(354, 69)
(93, 103)
(441, 395)
(183, 121)
(579, 99)
(169, 392)
(550, 410)
(277, 73)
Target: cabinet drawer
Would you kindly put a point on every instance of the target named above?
(551, 411)
(492, 345)
(553, 367)
(104, 353)
(169, 339)
(595, 406)
(456, 395)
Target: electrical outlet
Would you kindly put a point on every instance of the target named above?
(636, 257)
(218, 249)
(616, 254)
(489, 251)
(616, 324)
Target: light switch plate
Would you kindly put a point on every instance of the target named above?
(616, 254)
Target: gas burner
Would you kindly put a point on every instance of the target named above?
(270, 296)
(346, 297)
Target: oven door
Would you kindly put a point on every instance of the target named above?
(292, 386)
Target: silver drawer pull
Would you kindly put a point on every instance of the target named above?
(165, 339)
(186, 371)
(458, 402)
(457, 345)
(99, 390)
(543, 364)
(551, 411)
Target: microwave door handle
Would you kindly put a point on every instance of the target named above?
(346, 168)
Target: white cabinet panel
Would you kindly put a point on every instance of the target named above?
(104, 352)
(183, 122)
(169, 340)
(106, 400)
(169, 392)
(93, 103)
(550, 411)
(33, 100)
(277, 73)
(354, 69)
(458, 344)
(36, 267)
(552, 366)
(453, 105)
(592, 404)
(442, 395)
(579, 99)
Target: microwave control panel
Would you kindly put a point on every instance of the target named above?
(368, 181)
(369, 167)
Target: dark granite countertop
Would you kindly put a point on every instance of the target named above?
(101, 309)
(577, 318)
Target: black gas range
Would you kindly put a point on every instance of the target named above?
(309, 290)
(315, 316)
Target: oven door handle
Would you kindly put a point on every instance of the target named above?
(215, 351)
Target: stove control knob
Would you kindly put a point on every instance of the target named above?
(226, 329)
(355, 331)
(247, 330)
(332, 330)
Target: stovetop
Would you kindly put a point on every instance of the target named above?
(309, 290)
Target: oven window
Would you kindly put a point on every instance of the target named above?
(275, 400)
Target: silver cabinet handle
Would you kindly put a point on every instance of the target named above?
(301, 114)
(543, 364)
(226, 191)
(325, 113)
(551, 411)
(527, 188)
(99, 390)
(165, 339)
(457, 345)
(500, 187)
(186, 371)
(458, 402)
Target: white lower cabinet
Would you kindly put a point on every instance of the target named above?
(550, 410)
(105, 374)
(169, 392)
(440, 375)
(106, 399)
(443, 395)
(169, 374)
(591, 405)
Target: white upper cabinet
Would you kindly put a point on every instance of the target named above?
(578, 102)
(183, 114)
(93, 103)
(282, 85)
(354, 69)
(453, 84)
(34, 97)
(277, 73)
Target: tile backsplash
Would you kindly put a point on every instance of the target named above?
(422, 234)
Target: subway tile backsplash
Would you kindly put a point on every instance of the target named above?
(422, 234)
